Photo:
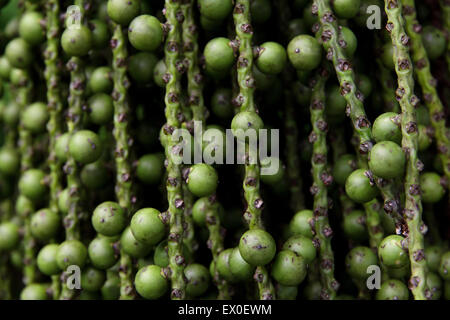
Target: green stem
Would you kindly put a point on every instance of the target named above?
(408, 101)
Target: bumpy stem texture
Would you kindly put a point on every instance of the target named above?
(174, 183)
(321, 179)
(408, 101)
(427, 82)
(244, 33)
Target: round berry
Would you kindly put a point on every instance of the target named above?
(133, 247)
(150, 168)
(85, 146)
(343, 167)
(358, 260)
(387, 128)
(431, 187)
(77, 41)
(31, 28)
(393, 290)
(301, 224)
(123, 11)
(45, 224)
(32, 184)
(9, 235)
(145, 33)
(219, 55)
(360, 186)
(109, 219)
(101, 80)
(304, 52)
(387, 160)
(302, 246)
(239, 268)
(354, 225)
(215, 9)
(150, 282)
(35, 117)
(141, 67)
(272, 58)
(289, 268)
(202, 180)
(102, 253)
(147, 227)
(257, 247)
(197, 279)
(392, 252)
(46, 260)
(101, 108)
(71, 252)
(19, 53)
(92, 279)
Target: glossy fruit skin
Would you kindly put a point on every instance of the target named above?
(133, 247)
(76, 41)
(301, 223)
(289, 268)
(257, 247)
(45, 224)
(101, 80)
(85, 146)
(95, 176)
(9, 161)
(346, 9)
(272, 58)
(431, 188)
(393, 290)
(202, 180)
(385, 129)
(35, 117)
(302, 246)
(145, 33)
(343, 167)
(30, 28)
(351, 41)
(62, 147)
(159, 72)
(161, 256)
(32, 185)
(358, 260)
(387, 160)
(223, 265)
(359, 187)
(109, 219)
(197, 277)
(261, 11)
(239, 268)
(19, 53)
(425, 139)
(102, 253)
(111, 288)
(244, 121)
(123, 11)
(9, 236)
(434, 284)
(215, 9)
(392, 253)
(387, 54)
(5, 68)
(336, 103)
(46, 260)
(34, 291)
(92, 279)
(71, 252)
(444, 266)
(433, 41)
(219, 55)
(147, 227)
(304, 52)
(433, 255)
(150, 283)
(100, 33)
(221, 103)
(141, 67)
(150, 168)
(101, 109)
(354, 225)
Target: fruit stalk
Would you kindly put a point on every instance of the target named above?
(174, 182)
(408, 101)
(321, 180)
(244, 34)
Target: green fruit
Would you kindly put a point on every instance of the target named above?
(260, 10)
(302, 246)
(246, 123)
(387, 128)
(109, 219)
(257, 247)
(92, 279)
(202, 180)
(150, 168)
(101, 108)
(221, 103)
(19, 53)
(100, 33)
(150, 282)
(5, 68)
(434, 42)
(346, 9)
(351, 42)
(272, 58)
(273, 172)
(9, 161)
(386, 56)
(35, 117)
(358, 260)
(88, 295)
(301, 224)
(32, 184)
(63, 201)
(71, 252)
(215, 9)
(31, 28)
(45, 224)
(354, 225)
(24, 206)
(141, 67)
(111, 288)
(219, 55)
(286, 292)
(364, 84)
(9, 235)
(133, 247)
(313, 290)
(197, 279)
(101, 80)
(423, 116)
(145, 33)
(62, 147)
(304, 52)
(11, 114)
(94, 176)
(360, 187)
(392, 252)
(85, 146)
(431, 187)
(223, 265)
(387, 160)
(238, 267)
(296, 26)
(343, 167)
(425, 138)
(102, 253)
(46, 260)
(336, 103)
(393, 290)
(123, 11)
(159, 73)
(209, 24)
(433, 255)
(77, 41)
(147, 227)
(444, 266)
(289, 268)
(34, 291)
(434, 285)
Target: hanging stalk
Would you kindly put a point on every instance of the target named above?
(244, 33)
(174, 182)
(408, 101)
(427, 82)
(321, 179)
